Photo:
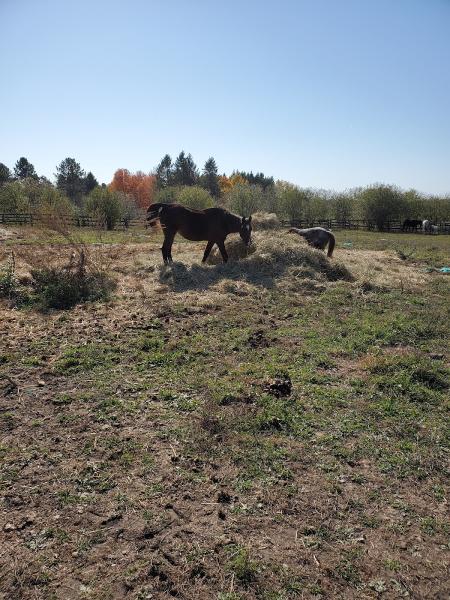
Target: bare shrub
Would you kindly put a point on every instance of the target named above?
(59, 283)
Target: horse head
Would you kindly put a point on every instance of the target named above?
(246, 230)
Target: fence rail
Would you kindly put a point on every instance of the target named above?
(86, 221)
(361, 224)
(70, 220)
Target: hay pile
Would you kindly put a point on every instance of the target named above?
(236, 249)
(272, 256)
(262, 221)
(277, 254)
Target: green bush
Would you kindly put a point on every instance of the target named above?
(13, 199)
(245, 199)
(382, 204)
(167, 195)
(32, 195)
(292, 200)
(105, 205)
(195, 197)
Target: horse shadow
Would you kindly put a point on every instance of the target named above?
(182, 278)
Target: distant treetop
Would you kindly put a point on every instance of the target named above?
(23, 169)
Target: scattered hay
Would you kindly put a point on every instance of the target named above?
(263, 221)
(6, 234)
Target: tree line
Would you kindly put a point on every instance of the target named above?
(180, 180)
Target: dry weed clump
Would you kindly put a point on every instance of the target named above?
(63, 279)
(8, 279)
(64, 287)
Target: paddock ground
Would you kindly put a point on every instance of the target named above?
(151, 446)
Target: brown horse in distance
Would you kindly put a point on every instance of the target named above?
(211, 225)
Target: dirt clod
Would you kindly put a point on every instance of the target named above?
(224, 497)
(280, 386)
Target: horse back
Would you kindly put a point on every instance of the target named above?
(212, 224)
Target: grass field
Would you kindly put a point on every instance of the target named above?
(270, 429)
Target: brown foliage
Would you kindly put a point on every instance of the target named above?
(139, 185)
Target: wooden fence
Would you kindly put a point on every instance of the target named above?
(85, 221)
(360, 224)
(69, 220)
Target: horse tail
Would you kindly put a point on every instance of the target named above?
(154, 212)
(331, 244)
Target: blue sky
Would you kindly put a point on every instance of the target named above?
(323, 93)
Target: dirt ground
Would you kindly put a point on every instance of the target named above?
(273, 428)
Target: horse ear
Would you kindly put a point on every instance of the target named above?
(249, 219)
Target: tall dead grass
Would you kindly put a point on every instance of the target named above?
(63, 275)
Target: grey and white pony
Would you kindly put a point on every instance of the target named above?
(318, 237)
(426, 226)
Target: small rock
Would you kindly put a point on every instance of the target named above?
(9, 527)
(436, 356)
(41, 383)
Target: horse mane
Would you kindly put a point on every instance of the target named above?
(232, 219)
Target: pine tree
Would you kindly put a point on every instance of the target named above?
(210, 179)
(185, 171)
(24, 169)
(70, 179)
(5, 174)
(164, 172)
(90, 182)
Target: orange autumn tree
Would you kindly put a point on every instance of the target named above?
(140, 186)
(225, 184)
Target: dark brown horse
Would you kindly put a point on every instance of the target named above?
(411, 225)
(211, 225)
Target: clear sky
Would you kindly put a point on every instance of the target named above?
(323, 93)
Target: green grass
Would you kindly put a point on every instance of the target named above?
(431, 250)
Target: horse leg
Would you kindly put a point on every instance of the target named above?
(223, 252)
(208, 249)
(167, 245)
